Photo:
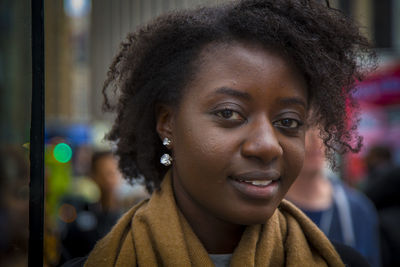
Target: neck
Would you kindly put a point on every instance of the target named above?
(216, 235)
(311, 191)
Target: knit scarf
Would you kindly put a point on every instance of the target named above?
(155, 233)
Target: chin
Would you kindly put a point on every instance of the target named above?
(255, 217)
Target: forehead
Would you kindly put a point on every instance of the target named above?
(245, 65)
(245, 51)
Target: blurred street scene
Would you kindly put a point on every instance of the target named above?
(85, 193)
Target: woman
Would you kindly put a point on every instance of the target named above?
(222, 95)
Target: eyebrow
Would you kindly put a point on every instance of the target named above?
(293, 101)
(246, 96)
(233, 92)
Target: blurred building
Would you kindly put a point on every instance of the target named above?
(58, 63)
(381, 23)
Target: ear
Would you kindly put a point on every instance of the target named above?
(164, 121)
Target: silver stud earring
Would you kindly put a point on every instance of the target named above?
(166, 141)
(166, 159)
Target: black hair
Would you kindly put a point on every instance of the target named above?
(157, 61)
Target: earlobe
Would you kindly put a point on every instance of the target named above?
(164, 121)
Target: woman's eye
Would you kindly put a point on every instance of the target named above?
(288, 123)
(229, 114)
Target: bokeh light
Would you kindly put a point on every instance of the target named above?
(77, 8)
(67, 213)
(62, 152)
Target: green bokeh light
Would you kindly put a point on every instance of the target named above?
(62, 152)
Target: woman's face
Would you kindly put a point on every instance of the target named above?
(237, 137)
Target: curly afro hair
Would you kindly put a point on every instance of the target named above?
(159, 59)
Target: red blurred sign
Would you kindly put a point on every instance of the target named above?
(381, 88)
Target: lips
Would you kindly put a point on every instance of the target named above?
(256, 184)
(257, 178)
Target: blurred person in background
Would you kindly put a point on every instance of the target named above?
(104, 172)
(378, 161)
(14, 206)
(83, 222)
(383, 188)
(343, 214)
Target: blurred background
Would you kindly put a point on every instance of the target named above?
(82, 182)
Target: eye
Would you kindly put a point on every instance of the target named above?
(288, 123)
(229, 114)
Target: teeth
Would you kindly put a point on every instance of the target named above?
(261, 183)
(258, 182)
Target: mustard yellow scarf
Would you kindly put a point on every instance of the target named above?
(155, 233)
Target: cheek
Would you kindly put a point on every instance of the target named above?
(201, 156)
(200, 144)
(294, 159)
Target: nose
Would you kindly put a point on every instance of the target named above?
(262, 142)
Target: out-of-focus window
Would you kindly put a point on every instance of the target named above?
(15, 104)
(383, 23)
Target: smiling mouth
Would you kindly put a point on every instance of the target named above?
(259, 183)
(257, 178)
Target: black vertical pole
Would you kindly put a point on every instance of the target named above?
(36, 198)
